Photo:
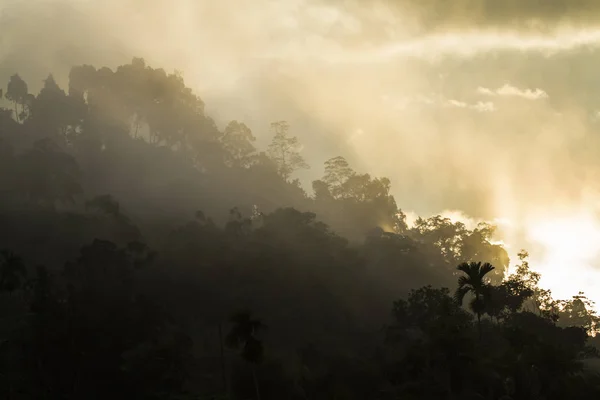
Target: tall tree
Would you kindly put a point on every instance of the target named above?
(474, 282)
(284, 150)
(12, 271)
(337, 173)
(55, 111)
(579, 312)
(243, 334)
(542, 300)
(237, 140)
(17, 92)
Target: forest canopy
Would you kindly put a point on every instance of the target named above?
(149, 253)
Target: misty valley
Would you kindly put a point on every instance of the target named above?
(147, 253)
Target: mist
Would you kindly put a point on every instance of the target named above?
(196, 202)
(490, 110)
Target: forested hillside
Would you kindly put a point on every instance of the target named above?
(150, 254)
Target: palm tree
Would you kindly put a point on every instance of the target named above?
(243, 334)
(473, 281)
(12, 271)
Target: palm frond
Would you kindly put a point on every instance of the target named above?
(485, 269)
(464, 281)
(460, 293)
(464, 267)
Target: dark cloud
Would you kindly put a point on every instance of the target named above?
(441, 14)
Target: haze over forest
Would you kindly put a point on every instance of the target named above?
(398, 114)
(486, 108)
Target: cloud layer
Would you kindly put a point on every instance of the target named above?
(512, 91)
(441, 14)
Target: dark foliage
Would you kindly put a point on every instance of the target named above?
(114, 285)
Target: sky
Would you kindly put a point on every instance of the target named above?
(479, 109)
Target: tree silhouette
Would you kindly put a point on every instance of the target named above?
(542, 300)
(109, 325)
(17, 92)
(337, 173)
(507, 298)
(237, 140)
(473, 281)
(12, 271)
(284, 150)
(579, 312)
(55, 111)
(243, 335)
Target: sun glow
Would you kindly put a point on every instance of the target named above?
(566, 253)
(563, 245)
